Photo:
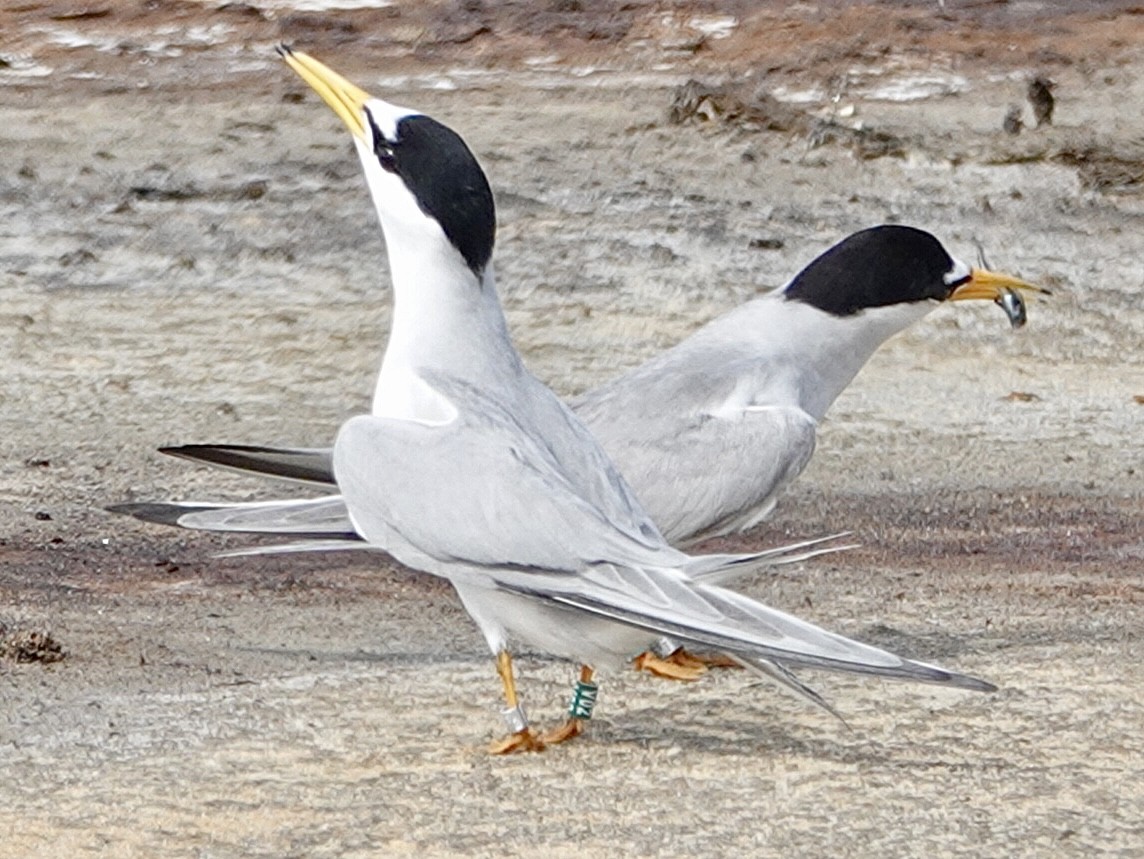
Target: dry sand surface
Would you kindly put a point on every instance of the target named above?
(187, 254)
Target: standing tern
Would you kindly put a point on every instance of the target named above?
(470, 469)
(710, 432)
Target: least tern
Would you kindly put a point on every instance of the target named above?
(710, 432)
(470, 469)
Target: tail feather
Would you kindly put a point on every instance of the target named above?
(716, 569)
(774, 671)
(327, 545)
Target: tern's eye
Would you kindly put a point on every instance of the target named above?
(382, 148)
(384, 152)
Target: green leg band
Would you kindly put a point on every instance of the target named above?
(583, 700)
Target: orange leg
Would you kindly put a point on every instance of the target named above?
(579, 712)
(522, 738)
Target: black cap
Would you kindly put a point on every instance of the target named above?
(877, 267)
(444, 177)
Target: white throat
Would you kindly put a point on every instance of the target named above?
(444, 317)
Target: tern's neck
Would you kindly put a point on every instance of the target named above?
(807, 357)
(444, 319)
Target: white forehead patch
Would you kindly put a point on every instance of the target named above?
(386, 116)
(957, 274)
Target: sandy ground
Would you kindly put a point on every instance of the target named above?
(187, 254)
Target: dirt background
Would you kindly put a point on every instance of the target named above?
(187, 254)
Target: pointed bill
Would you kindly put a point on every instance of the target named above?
(991, 286)
(346, 99)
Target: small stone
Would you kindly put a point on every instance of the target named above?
(766, 244)
(1040, 95)
(1013, 122)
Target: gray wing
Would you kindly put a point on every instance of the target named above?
(574, 453)
(481, 494)
(298, 464)
(701, 475)
(667, 603)
(481, 490)
(696, 476)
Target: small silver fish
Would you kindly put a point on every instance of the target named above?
(1014, 306)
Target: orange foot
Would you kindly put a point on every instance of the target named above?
(522, 741)
(668, 668)
(707, 659)
(571, 728)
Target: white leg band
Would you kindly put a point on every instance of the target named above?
(515, 719)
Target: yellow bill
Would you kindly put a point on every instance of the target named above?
(343, 97)
(990, 286)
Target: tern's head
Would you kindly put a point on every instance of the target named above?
(425, 182)
(893, 265)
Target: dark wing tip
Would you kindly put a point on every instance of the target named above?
(946, 677)
(308, 465)
(975, 684)
(193, 451)
(155, 513)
